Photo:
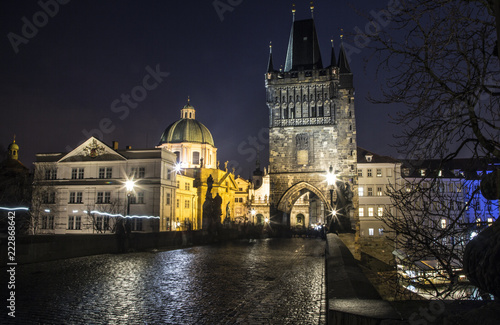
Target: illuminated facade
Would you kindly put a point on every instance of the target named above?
(311, 128)
(80, 191)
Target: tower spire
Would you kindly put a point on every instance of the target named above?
(312, 9)
(343, 62)
(270, 67)
(293, 11)
(333, 58)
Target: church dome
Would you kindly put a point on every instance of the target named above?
(187, 130)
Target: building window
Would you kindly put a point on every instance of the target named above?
(443, 223)
(380, 231)
(236, 200)
(71, 222)
(370, 191)
(177, 156)
(361, 212)
(389, 172)
(360, 173)
(49, 198)
(168, 174)
(369, 172)
(105, 172)
(370, 231)
(47, 222)
(77, 173)
(78, 222)
(380, 211)
(178, 184)
(75, 197)
(139, 172)
(103, 197)
(177, 203)
(50, 174)
(379, 172)
(360, 191)
(186, 204)
(379, 191)
(370, 212)
(187, 187)
(140, 197)
(137, 224)
(490, 221)
(167, 201)
(196, 158)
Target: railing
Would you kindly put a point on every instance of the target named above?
(303, 121)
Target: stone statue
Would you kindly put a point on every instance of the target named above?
(228, 211)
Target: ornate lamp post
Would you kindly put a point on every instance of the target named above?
(129, 185)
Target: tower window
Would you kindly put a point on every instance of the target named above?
(196, 158)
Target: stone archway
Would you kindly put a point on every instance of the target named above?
(291, 195)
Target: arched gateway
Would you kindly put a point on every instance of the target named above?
(312, 128)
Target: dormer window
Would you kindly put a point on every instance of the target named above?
(369, 158)
(422, 172)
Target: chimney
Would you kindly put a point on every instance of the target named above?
(128, 147)
(115, 145)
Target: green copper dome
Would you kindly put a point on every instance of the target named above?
(187, 130)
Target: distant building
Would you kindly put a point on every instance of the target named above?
(376, 174)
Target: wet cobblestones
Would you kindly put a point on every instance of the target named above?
(270, 281)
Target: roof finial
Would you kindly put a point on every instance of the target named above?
(312, 9)
(341, 33)
(293, 11)
(271, 47)
(188, 100)
(14, 139)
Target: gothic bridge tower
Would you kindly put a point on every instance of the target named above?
(312, 129)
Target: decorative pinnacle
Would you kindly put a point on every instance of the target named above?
(271, 47)
(312, 9)
(293, 11)
(341, 33)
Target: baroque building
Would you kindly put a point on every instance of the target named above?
(312, 129)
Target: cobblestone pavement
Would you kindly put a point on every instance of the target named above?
(269, 281)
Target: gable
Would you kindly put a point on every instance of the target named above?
(92, 150)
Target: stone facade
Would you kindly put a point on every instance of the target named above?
(311, 128)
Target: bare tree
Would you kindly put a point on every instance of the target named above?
(43, 199)
(439, 59)
(101, 222)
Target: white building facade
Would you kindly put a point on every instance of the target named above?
(84, 190)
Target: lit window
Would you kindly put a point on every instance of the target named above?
(380, 211)
(360, 191)
(381, 231)
(379, 191)
(379, 172)
(370, 231)
(443, 223)
(478, 221)
(422, 172)
(361, 212)
(370, 212)
(490, 221)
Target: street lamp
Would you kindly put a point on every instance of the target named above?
(331, 179)
(129, 185)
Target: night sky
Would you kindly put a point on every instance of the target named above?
(71, 75)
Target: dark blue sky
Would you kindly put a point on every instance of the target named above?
(65, 79)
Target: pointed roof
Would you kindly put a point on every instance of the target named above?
(343, 63)
(333, 57)
(270, 67)
(303, 47)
